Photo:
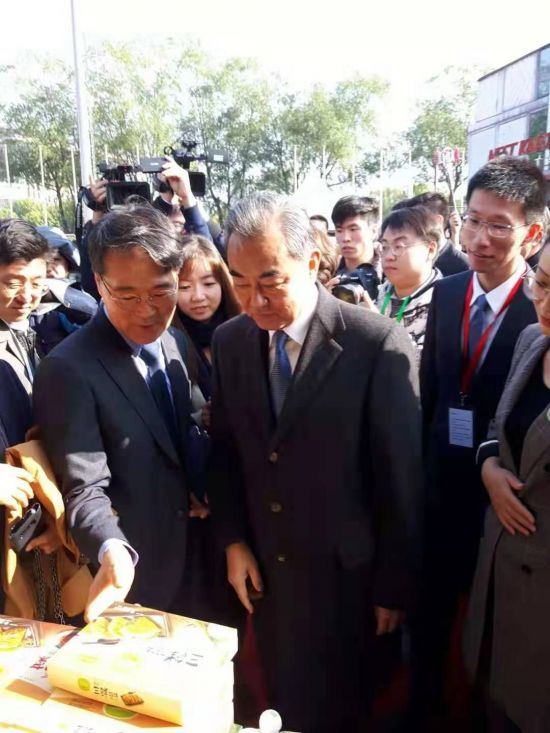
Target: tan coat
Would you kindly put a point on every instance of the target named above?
(511, 591)
(17, 578)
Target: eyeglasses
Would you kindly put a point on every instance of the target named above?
(13, 289)
(129, 302)
(396, 249)
(533, 288)
(500, 231)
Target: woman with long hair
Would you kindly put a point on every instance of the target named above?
(206, 299)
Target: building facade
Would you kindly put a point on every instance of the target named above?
(512, 115)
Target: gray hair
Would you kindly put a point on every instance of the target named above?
(252, 216)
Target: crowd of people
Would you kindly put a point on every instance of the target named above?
(350, 430)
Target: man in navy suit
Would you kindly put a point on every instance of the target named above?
(474, 322)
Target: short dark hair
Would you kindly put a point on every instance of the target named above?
(19, 240)
(514, 179)
(320, 217)
(420, 219)
(135, 225)
(349, 206)
(432, 200)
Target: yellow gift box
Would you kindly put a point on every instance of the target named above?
(151, 663)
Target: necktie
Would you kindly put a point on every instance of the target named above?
(281, 372)
(157, 381)
(478, 322)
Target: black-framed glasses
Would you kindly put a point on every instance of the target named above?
(129, 302)
(533, 288)
(472, 223)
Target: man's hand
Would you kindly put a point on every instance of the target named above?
(332, 283)
(98, 190)
(454, 226)
(368, 303)
(49, 541)
(178, 178)
(501, 485)
(112, 582)
(198, 509)
(15, 487)
(242, 565)
(387, 620)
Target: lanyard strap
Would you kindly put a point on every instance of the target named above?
(469, 366)
(401, 311)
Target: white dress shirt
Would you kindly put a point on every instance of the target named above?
(297, 330)
(495, 299)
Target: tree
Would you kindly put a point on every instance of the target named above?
(42, 115)
(443, 119)
(323, 129)
(230, 110)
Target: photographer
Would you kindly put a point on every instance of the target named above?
(185, 215)
(355, 221)
(179, 203)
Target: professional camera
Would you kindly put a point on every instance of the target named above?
(183, 156)
(122, 182)
(349, 289)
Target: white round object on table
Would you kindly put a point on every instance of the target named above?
(270, 722)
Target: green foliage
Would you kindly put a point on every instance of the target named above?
(33, 211)
(42, 115)
(443, 117)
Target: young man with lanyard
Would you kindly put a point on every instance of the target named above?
(473, 325)
(409, 241)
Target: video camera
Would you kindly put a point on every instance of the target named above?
(124, 180)
(349, 289)
(184, 156)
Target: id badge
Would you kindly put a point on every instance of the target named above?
(461, 427)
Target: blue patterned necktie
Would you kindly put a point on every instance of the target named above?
(281, 372)
(157, 381)
(478, 323)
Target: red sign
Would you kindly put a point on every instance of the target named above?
(537, 144)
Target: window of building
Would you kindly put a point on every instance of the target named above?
(537, 122)
(543, 75)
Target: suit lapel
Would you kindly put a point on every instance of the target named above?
(179, 380)
(537, 438)
(6, 339)
(518, 316)
(317, 358)
(511, 395)
(114, 354)
(454, 313)
(256, 348)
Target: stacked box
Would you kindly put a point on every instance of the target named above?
(25, 647)
(144, 662)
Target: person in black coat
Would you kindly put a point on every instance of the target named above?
(316, 473)
(473, 325)
(112, 403)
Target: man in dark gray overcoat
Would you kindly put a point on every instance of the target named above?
(316, 472)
